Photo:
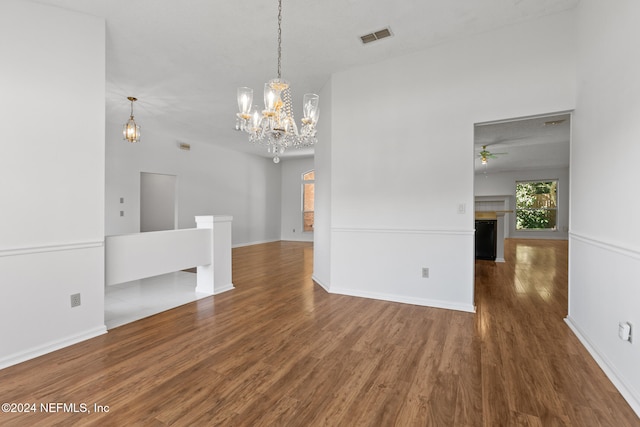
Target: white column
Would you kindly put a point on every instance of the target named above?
(215, 278)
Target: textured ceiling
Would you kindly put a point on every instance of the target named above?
(184, 59)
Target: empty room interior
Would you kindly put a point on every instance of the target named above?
(319, 213)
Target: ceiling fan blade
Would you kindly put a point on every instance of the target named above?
(500, 141)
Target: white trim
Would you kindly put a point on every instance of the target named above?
(534, 116)
(50, 347)
(465, 232)
(222, 289)
(298, 240)
(258, 242)
(322, 285)
(612, 247)
(405, 300)
(51, 248)
(629, 394)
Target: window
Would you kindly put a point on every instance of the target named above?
(308, 190)
(536, 205)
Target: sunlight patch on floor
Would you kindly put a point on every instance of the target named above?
(135, 300)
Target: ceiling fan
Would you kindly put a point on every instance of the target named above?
(486, 154)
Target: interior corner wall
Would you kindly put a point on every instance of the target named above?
(211, 180)
(322, 203)
(52, 82)
(504, 183)
(292, 221)
(409, 122)
(604, 243)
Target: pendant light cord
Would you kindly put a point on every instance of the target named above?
(279, 38)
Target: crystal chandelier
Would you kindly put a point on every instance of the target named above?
(275, 126)
(131, 131)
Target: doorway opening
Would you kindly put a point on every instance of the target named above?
(158, 204)
(510, 152)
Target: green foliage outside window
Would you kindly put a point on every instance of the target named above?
(536, 205)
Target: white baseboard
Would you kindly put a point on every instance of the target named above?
(630, 395)
(32, 353)
(322, 285)
(223, 289)
(405, 300)
(258, 242)
(301, 239)
(396, 298)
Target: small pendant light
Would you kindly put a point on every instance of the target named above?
(131, 131)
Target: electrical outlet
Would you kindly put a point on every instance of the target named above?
(75, 300)
(425, 272)
(121, 213)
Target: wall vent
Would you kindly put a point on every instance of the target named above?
(75, 300)
(380, 34)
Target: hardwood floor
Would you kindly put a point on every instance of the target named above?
(280, 351)
(534, 370)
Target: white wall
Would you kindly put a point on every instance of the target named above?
(604, 243)
(409, 122)
(291, 212)
(211, 181)
(157, 202)
(322, 203)
(52, 82)
(504, 183)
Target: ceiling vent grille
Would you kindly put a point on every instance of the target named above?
(381, 34)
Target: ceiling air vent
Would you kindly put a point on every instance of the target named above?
(381, 34)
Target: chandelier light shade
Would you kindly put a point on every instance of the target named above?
(131, 131)
(274, 126)
(245, 100)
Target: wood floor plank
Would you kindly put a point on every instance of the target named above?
(279, 350)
